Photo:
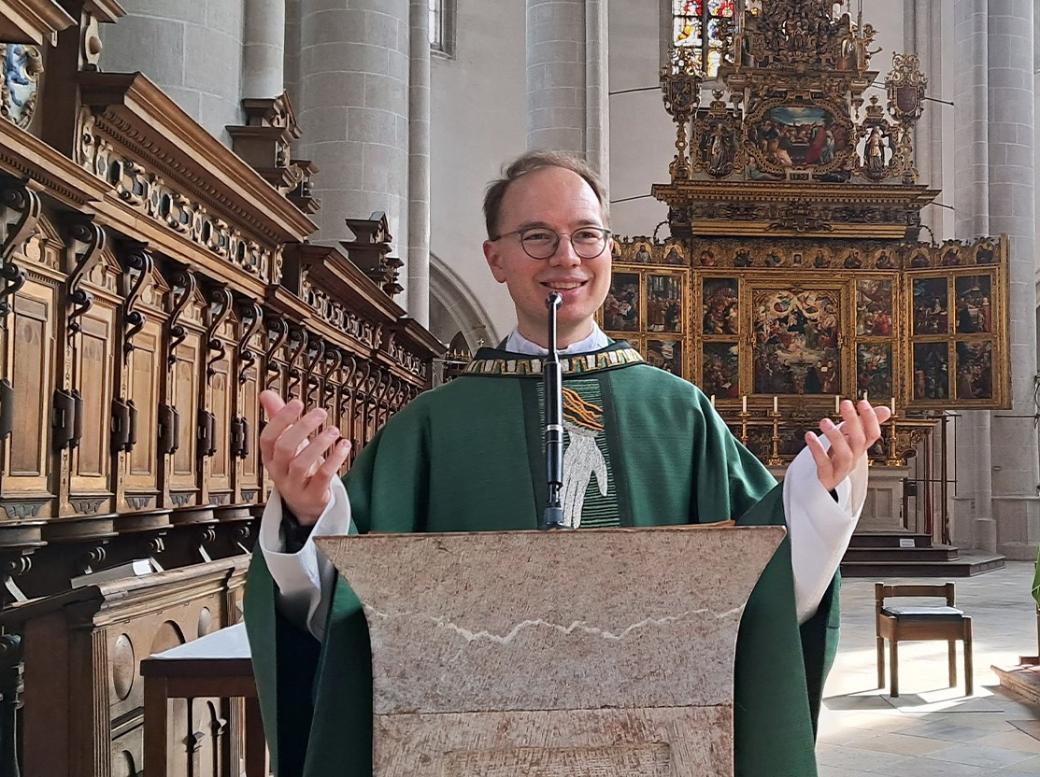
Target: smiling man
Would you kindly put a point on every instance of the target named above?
(642, 448)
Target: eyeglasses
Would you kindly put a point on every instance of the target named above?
(541, 243)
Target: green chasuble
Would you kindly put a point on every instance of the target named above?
(643, 448)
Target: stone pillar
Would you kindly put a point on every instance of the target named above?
(922, 31)
(353, 112)
(418, 262)
(567, 77)
(597, 97)
(974, 506)
(995, 194)
(291, 67)
(263, 52)
(1016, 470)
(192, 50)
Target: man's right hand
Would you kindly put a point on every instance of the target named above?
(301, 470)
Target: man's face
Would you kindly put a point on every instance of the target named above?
(560, 200)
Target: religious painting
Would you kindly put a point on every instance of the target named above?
(621, 308)
(674, 255)
(721, 306)
(975, 370)
(641, 254)
(721, 370)
(707, 258)
(792, 440)
(799, 135)
(666, 355)
(760, 441)
(974, 307)
(874, 371)
(985, 252)
(874, 307)
(796, 341)
(664, 303)
(931, 306)
(931, 371)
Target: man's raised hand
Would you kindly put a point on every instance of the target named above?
(860, 428)
(301, 469)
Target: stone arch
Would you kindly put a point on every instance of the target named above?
(455, 309)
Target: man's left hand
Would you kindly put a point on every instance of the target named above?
(860, 428)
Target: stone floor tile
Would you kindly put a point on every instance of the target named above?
(1030, 766)
(923, 767)
(1031, 727)
(838, 771)
(975, 754)
(856, 758)
(1012, 740)
(902, 744)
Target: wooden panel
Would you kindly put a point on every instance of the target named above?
(184, 397)
(128, 753)
(143, 389)
(93, 362)
(31, 350)
(248, 468)
(220, 405)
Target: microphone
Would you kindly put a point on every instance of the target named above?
(553, 391)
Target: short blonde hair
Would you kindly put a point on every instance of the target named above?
(536, 160)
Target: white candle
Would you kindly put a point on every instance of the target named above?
(892, 405)
(743, 404)
(864, 394)
(713, 400)
(837, 404)
(774, 404)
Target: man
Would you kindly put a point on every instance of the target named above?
(644, 447)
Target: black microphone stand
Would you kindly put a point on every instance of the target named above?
(553, 391)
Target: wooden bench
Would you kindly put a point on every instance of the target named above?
(217, 665)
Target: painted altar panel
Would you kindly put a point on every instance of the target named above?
(797, 340)
(914, 324)
(650, 306)
(959, 335)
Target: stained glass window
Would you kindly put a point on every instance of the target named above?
(703, 25)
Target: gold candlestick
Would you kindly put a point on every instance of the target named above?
(893, 459)
(743, 426)
(774, 460)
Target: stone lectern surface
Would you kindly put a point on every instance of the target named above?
(586, 653)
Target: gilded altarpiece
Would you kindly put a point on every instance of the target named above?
(794, 273)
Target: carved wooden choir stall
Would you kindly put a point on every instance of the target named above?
(152, 284)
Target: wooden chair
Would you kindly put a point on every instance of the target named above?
(916, 623)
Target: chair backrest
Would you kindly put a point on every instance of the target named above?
(882, 592)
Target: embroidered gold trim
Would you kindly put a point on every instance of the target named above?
(569, 365)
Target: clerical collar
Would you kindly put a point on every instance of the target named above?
(517, 343)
